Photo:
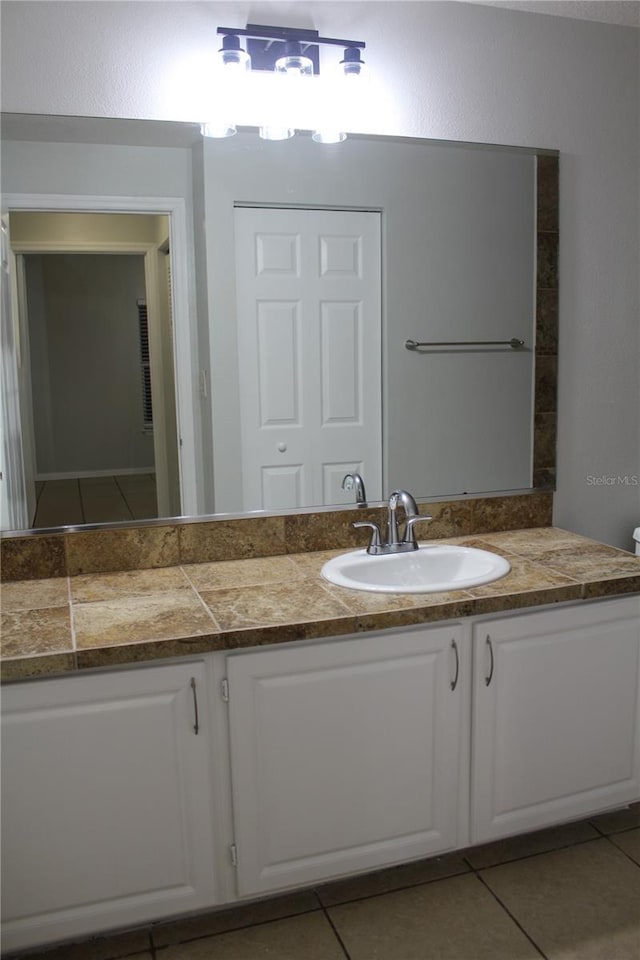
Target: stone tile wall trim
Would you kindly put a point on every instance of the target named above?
(546, 359)
(43, 556)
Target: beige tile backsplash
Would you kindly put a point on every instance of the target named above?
(152, 546)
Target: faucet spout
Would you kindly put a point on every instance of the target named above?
(408, 540)
(353, 481)
(408, 502)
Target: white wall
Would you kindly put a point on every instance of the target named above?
(446, 70)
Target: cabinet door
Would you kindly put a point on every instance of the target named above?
(344, 755)
(106, 802)
(556, 724)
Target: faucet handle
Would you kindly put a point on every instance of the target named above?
(409, 533)
(374, 543)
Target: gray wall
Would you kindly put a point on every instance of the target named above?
(85, 364)
(458, 264)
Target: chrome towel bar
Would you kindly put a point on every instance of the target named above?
(514, 343)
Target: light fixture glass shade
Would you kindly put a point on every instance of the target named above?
(276, 133)
(232, 55)
(237, 60)
(293, 61)
(217, 129)
(326, 135)
(296, 65)
(352, 64)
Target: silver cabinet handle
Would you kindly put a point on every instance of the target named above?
(196, 725)
(488, 679)
(454, 682)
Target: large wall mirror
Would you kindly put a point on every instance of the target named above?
(223, 326)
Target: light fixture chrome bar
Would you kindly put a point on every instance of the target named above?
(257, 32)
(514, 343)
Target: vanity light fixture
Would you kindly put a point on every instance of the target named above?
(286, 51)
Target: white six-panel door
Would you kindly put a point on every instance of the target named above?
(309, 340)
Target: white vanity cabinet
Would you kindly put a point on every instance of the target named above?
(106, 801)
(331, 757)
(345, 755)
(556, 724)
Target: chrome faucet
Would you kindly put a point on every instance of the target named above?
(394, 543)
(354, 480)
(410, 510)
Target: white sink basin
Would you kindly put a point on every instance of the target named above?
(429, 569)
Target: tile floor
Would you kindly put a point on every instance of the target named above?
(567, 893)
(95, 500)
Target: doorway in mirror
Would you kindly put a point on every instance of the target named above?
(96, 370)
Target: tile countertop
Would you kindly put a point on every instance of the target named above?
(66, 624)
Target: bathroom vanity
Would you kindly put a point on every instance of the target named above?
(162, 776)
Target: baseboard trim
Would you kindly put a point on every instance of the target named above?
(85, 474)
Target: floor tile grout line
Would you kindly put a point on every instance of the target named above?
(81, 501)
(509, 914)
(338, 937)
(614, 833)
(235, 929)
(620, 850)
(126, 502)
(596, 827)
(383, 893)
(538, 853)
